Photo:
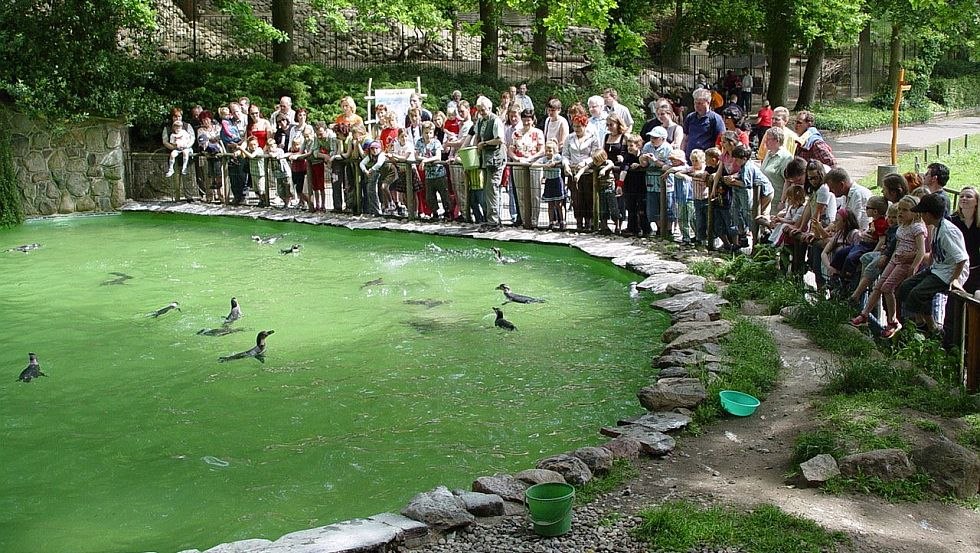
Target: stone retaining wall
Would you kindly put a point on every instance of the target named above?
(64, 170)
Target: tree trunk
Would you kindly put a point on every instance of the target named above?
(282, 19)
(539, 39)
(895, 56)
(778, 49)
(814, 62)
(489, 37)
(675, 43)
(866, 65)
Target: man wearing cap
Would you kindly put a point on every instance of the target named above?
(702, 126)
(949, 264)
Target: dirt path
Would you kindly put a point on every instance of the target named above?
(744, 461)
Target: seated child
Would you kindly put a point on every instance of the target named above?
(873, 262)
(183, 142)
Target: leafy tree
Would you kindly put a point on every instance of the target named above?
(61, 57)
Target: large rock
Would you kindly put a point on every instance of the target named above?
(651, 442)
(439, 508)
(670, 393)
(887, 464)
(573, 469)
(720, 328)
(350, 536)
(624, 447)
(672, 283)
(674, 372)
(598, 459)
(819, 469)
(481, 504)
(690, 358)
(698, 336)
(539, 476)
(660, 421)
(954, 469)
(504, 485)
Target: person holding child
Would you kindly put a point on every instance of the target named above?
(371, 166)
(182, 141)
(256, 167)
(635, 188)
(655, 157)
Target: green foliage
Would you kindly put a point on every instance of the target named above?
(913, 488)
(864, 374)
(956, 93)
(628, 48)
(953, 68)
(822, 319)
(623, 471)
(683, 526)
(248, 30)
(864, 421)
(61, 61)
(11, 208)
(849, 116)
(971, 436)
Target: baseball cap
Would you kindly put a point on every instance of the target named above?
(933, 204)
(657, 132)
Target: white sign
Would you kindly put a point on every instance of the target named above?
(395, 99)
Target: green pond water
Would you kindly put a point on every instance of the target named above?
(140, 440)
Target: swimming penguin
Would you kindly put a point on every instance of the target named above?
(32, 371)
(429, 303)
(517, 298)
(501, 258)
(162, 310)
(294, 249)
(122, 278)
(267, 240)
(375, 282)
(634, 292)
(235, 314)
(501, 321)
(222, 330)
(25, 248)
(257, 352)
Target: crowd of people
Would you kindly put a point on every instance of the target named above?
(707, 178)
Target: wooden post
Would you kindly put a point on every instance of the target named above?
(898, 102)
(949, 146)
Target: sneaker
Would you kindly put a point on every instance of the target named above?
(169, 173)
(183, 171)
(860, 320)
(891, 330)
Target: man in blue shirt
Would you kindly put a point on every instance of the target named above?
(702, 126)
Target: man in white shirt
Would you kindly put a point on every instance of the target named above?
(611, 99)
(597, 118)
(522, 98)
(745, 98)
(851, 195)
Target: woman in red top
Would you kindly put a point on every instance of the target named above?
(259, 127)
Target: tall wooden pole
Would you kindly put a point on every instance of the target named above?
(899, 88)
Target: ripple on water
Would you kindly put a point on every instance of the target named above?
(214, 461)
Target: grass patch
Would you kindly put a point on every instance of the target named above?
(971, 436)
(622, 472)
(709, 268)
(927, 425)
(776, 294)
(821, 322)
(681, 526)
(864, 421)
(962, 162)
(815, 442)
(913, 488)
(754, 367)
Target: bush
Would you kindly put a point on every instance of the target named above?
(956, 93)
(951, 69)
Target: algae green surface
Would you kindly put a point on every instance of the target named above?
(139, 440)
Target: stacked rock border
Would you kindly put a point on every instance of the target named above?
(691, 346)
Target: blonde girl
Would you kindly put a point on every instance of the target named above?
(910, 249)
